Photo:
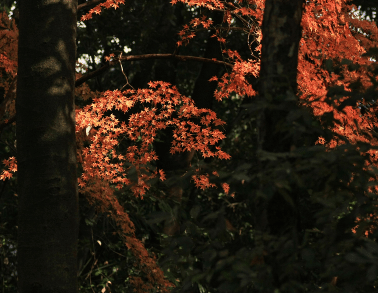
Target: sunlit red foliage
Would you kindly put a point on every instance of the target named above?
(98, 8)
(105, 169)
(8, 65)
(165, 107)
(11, 165)
(8, 48)
(327, 34)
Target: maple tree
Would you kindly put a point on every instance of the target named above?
(277, 166)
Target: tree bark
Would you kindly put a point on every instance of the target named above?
(281, 31)
(46, 151)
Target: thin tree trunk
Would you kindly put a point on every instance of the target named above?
(46, 152)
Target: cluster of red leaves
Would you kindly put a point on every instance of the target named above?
(236, 81)
(328, 35)
(167, 108)
(10, 168)
(8, 47)
(98, 8)
(331, 30)
(8, 64)
(209, 4)
(8, 71)
(188, 31)
(250, 13)
(105, 169)
(228, 6)
(370, 225)
(250, 17)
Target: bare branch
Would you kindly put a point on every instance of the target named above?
(173, 56)
(92, 74)
(99, 71)
(84, 78)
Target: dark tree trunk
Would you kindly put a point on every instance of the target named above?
(281, 31)
(46, 152)
(279, 61)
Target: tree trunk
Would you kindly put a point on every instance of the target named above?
(46, 152)
(281, 31)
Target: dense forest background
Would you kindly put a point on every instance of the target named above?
(294, 207)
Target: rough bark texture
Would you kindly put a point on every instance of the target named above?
(281, 31)
(46, 154)
(279, 56)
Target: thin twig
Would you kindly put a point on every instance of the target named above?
(127, 80)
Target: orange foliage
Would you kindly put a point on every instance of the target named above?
(11, 165)
(98, 8)
(8, 48)
(8, 64)
(166, 108)
(326, 35)
(331, 31)
(104, 169)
